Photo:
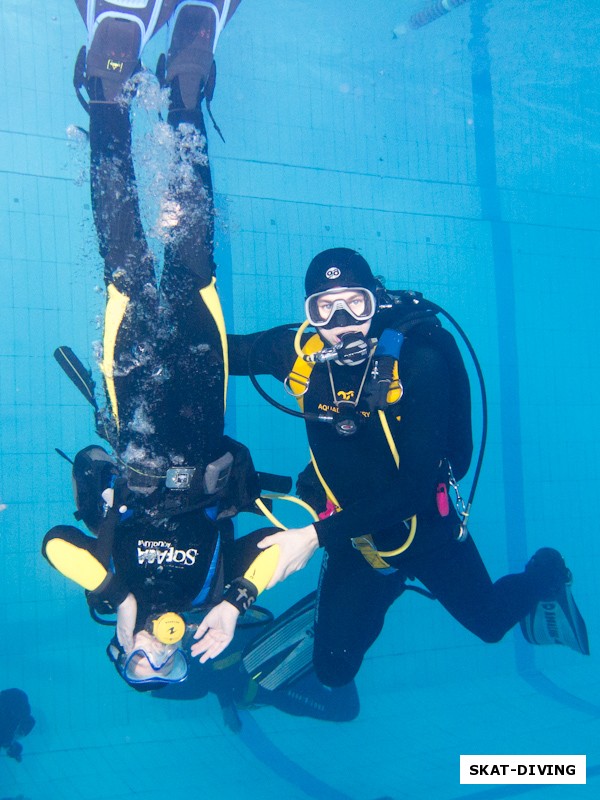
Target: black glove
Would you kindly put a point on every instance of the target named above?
(382, 371)
(382, 375)
(309, 489)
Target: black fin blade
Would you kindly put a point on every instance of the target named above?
(77, 373)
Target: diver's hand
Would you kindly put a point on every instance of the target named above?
(296, 548)
(215, 631)
(377, 388)
(126, 616)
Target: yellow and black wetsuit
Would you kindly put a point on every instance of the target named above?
(376, 497)
(164, 348)
(165, 375)
(174, 567)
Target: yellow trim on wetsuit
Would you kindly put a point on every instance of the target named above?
(116, 307)
(261, 570)
(75, 563)
(213, 304)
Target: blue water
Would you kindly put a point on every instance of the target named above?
(462, 160)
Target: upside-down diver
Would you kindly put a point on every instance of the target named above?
(158, 502)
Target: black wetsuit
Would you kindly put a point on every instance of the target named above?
(165, 383)
(376, 498)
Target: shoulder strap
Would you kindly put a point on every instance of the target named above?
(299, 377)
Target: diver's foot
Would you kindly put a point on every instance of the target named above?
(189, 62)
(113, 58)
(555, 618)
(550, 573)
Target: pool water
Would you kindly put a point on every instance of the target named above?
(461, 159)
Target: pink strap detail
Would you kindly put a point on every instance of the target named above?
(442, 500)
(330, 509)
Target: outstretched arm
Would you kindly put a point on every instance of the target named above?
(216, 630)
(296, 547)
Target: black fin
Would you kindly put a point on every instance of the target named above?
(284, 652)
(62, 454)
(79, 78)
(557, 621)
(117, 35)
(79, 375)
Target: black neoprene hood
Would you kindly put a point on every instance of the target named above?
(338, 267)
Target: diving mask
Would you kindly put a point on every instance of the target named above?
(150, 661)
(340, 307)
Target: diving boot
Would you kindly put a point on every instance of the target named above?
(113, 57)
(555, 619)
(548, 570)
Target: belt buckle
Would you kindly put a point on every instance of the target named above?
(179, 478)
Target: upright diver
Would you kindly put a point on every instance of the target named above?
(386, 401)
(160, 505)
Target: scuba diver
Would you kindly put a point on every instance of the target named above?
(160, 505)
(386, 400)
(15, 721)
(162, 556)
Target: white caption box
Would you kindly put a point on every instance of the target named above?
(522, 769)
